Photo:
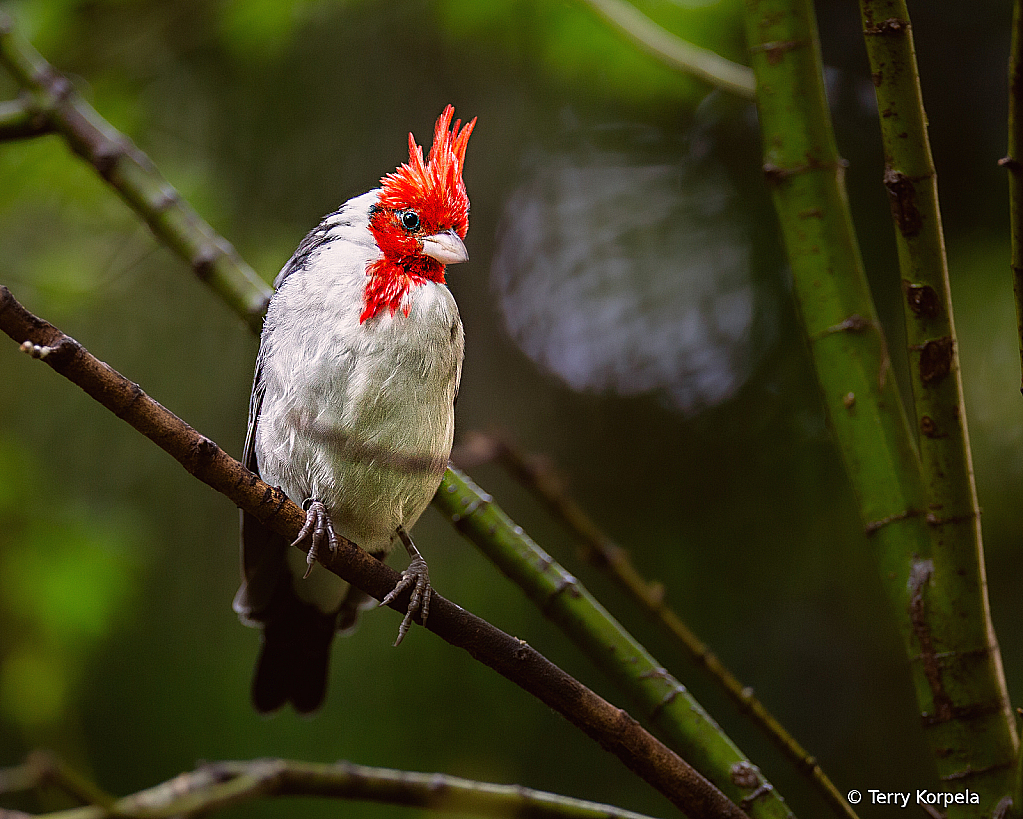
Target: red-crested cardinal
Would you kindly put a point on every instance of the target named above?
(352, 408)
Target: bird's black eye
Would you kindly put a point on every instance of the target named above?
(409, 220)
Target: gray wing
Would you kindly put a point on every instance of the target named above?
(294, 656)
(263, 551)
(332, 227)
(255, 404)
(313, 240)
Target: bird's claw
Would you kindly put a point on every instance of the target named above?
(317, 526)
(417, 575)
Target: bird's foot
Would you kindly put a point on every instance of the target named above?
(417, 575)
(317, 528)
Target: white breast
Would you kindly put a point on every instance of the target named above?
(359, 416)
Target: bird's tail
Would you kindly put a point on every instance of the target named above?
(295, 656)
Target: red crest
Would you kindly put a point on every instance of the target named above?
(434, 187)
(434, 190)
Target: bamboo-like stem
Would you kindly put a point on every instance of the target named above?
(219, 785)
(599, 549)
(981, 741)
(1013, 163)
(132, 174)
(673, 50)
(611, 727)
(664, 701)
(806, 176)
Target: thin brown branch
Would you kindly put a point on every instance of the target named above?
(611, 727)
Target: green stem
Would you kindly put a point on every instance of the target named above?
(676, 52)
(132, 174)
(666, 703)
(971, 694)
(806, 176)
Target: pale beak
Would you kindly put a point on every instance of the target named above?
(446, 248)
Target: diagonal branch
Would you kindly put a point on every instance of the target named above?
(662, 699)
(611, 727)
(132, 174)
(676, 52)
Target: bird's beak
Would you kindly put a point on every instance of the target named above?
(446, 248)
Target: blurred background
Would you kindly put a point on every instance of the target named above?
(627, 314)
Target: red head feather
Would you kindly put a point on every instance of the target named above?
(434, 190)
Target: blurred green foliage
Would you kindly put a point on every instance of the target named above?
(118, 646)
(67, 577)
(577, 47)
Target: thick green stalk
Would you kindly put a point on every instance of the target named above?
(973, 693)
(806, 176)
(665, 702)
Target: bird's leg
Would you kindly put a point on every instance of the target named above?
(416, 575)
(317, 526)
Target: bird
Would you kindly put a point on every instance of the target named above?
(352, 409)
